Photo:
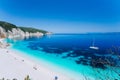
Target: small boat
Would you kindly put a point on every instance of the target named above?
(94, 47)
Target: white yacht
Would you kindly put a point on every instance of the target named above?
(93, 46)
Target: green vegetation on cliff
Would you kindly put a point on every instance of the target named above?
(33, 30)
(8, 26)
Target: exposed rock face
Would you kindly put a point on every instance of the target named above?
(2, 33)
(17, 33)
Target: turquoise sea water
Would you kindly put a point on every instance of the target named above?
(71, 55)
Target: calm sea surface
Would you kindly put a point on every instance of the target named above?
(71, 52)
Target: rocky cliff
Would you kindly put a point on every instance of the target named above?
(8, 30)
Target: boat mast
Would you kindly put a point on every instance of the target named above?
(93, 42)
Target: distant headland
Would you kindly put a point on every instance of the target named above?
(9, 30)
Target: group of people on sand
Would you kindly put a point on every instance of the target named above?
(55, 78)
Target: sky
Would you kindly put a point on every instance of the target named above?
(63, 16)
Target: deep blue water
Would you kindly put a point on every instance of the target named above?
(73, 49)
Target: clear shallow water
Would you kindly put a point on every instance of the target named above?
(72, 54)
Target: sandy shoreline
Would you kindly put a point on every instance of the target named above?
(13, 65)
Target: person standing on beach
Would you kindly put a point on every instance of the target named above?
(56, 78)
